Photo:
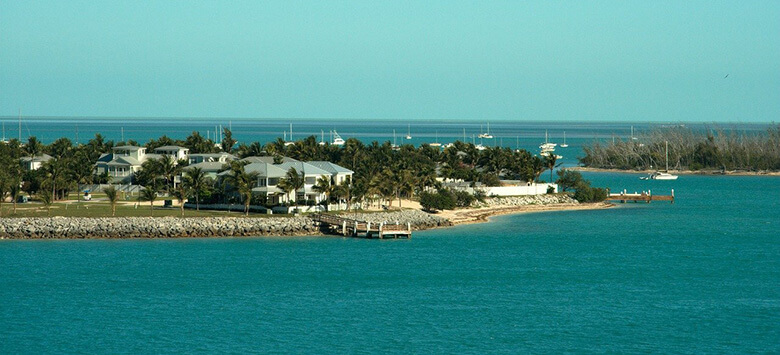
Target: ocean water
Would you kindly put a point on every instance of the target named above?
(698, 276)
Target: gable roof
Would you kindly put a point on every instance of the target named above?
(37, 159)
(128, 147)
(170, 147)
(330, 167)
(305, 168)
(267, 159)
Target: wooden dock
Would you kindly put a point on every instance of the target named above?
(644, 196)
(361, 229)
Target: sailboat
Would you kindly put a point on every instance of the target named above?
(4, 140)
(409, 132)
(337, 140)
(487, 134)
(564, 145)
(290, 141)
(437, 144)
(394, 146)
(548, 148)
(322, 137)
(659, 175)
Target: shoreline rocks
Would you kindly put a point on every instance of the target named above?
(191, 227)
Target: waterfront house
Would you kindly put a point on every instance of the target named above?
(269, 175)
(34, 163)
(125, 160)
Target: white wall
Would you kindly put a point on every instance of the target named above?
(535, 189)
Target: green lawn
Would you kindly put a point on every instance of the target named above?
(103, 209)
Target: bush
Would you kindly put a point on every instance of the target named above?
(585, 193)
(550, 189)
(568, 179)
(441, 200)
(464, 199)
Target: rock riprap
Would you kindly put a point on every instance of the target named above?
(153, 227)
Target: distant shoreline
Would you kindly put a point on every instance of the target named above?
(680, 172)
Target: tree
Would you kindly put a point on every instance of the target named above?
(195, 182)
(149, 193)
(81, 171)
(324, 186)
(45, 198)
(292, 182)
(113, 196)
(549, 162)
(54, 169)
(33, 147)
(242, 182)
(181, 193)
(5, 188)
(568, 179)
(227, 140)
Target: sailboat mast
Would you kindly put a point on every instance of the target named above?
(667, 156)
(20, 125)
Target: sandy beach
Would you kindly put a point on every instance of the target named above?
(480, 215)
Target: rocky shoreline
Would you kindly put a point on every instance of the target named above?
(174, 227)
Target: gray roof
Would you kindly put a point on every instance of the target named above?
(213, 155)
(127, 147)
(125, 161)
(208, 166)
(171, 147)
(267, 159)
(305, 168)
(263, 169)
(330, 167)
(38, 158)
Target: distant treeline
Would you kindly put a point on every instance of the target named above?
(714, 149)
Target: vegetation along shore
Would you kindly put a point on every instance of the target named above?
(712, 151)
(426, 186)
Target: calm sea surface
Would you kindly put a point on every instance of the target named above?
(698, 276)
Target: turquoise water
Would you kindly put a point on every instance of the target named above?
(698, 276)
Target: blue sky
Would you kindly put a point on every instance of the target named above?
(498, 60)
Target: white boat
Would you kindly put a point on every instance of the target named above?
(337, 140)
(547, 146)
(409, 132)
(564, 145)
(487, 134)
(291, 141)
(659, 175)
(394, 146)
(322, 137)
(436, 144)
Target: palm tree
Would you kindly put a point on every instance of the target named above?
(242, 182)
(149, 194)
(54, 168)
(292, 182)
(33, 147)
(195, 182)
(46, 199)
(81, 172)
(113, 197)
(16, 190)
(549, 162)
(324, 186)
(5, 187)
(181, 193)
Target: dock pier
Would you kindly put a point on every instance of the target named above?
(645, 196)
(361, 229)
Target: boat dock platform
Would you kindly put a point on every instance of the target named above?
(645, 196)
(361, 229)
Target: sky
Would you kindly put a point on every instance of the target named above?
(666, 61)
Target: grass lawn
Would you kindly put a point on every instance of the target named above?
(103, 209)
